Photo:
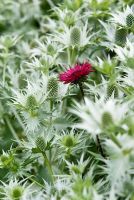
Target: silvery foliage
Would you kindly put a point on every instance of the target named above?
(51, 141)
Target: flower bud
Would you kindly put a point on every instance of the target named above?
(107, 119)
(31, 103)
(120, 36)
(130, 20)
(52, 87)
(50, 49)
(69, 19)
(75, 36)
(17, 193)
(68, 141)
(22, 81)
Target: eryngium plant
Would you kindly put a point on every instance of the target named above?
(66, 100)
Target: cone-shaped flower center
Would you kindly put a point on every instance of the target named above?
(75, 36)
(120, 36)
(31, 103)
(130, 20)
(68, 141)
(52, 87)
(22, 81)
(107, 119)
(17, 193)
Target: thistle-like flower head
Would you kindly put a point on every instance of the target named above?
(126, 53)
(100, 115)
(16, 190)
(78, 73)
(128, 78)
(125, 18)
(74, 37)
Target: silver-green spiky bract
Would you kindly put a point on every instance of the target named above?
(50, 49)
(4, 158)
(69, 19)
(40, 143)
(112, 89)
(22, 81)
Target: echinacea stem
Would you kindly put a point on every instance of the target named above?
(99, 146)
(82, 91)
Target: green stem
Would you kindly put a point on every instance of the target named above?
(51, 105)
(4, 67)
(68, 53)
(51, 117)
(51, 109)
(115, 140)
(4, 74)
(33, 180)
(48, 165)
(95, 49)
(73, 56)
(99, 146)
(63, 106)
(82, 91)
(18, 118)
(11, 129)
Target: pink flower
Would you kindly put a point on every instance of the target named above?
(78, 73)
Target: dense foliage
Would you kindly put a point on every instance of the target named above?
(66, 100)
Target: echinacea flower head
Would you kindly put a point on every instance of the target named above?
(76, 74)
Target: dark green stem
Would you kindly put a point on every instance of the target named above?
(99, 146)
(51, 109)
(11, 129)
(33, 180)
(48, 165)
(82, 91)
